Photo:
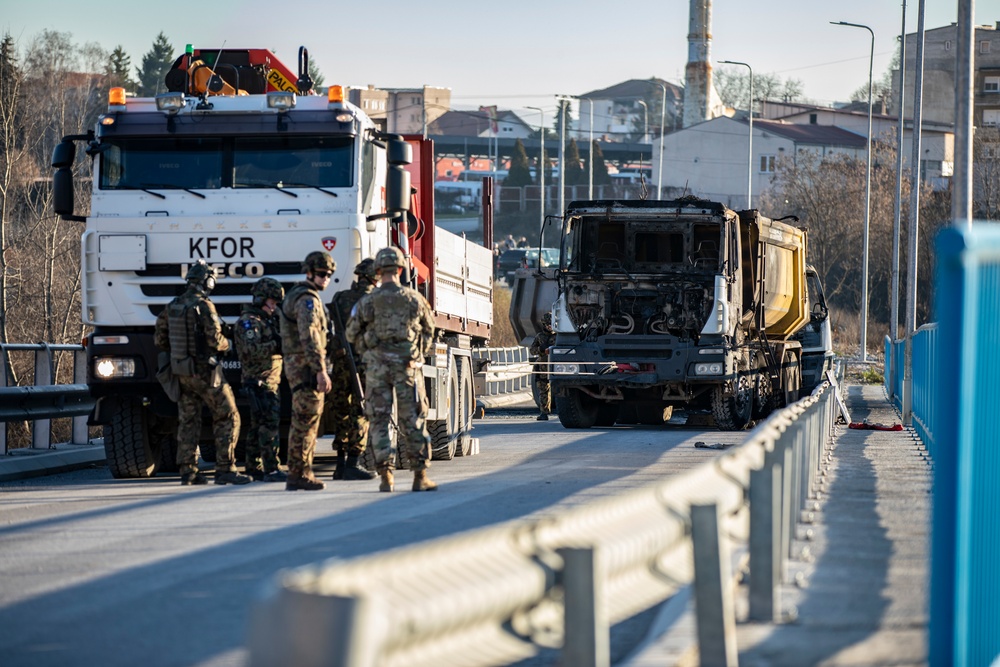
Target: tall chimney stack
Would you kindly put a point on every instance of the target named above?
(698, 72)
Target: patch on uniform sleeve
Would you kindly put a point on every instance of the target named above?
(309, 304)
(247, 324)
(354, 310)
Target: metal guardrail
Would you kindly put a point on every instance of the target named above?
(509, 370)
(562, 580)
(45, 400)
(924, 403)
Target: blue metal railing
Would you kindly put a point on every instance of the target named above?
(961, 382)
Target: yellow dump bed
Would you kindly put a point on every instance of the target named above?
(774, 255)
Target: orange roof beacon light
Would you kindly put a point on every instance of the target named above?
(116, 98)
(335, 100)
(335, 94)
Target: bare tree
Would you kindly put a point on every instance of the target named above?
(986, 174)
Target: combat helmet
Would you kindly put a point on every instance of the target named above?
(365, 268)
(390, 257)
(201, 275)
(267, 288)
(318, 259)
(547, 320)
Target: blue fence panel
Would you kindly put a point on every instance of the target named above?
(924, 404)
(965, 544)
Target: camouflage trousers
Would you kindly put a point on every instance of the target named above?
(382, 378)
(197, 391)
(344, 415)
(544, 389)
(262, 438)
(307, 412)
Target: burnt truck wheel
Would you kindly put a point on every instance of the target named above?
(763, 395)
(733, 413)
(130, 449)
(576, 409)
(444, 432)
(607, 413)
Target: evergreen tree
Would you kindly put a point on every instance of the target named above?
(519, 174)
(316, 76)
(574, 172)
(155, 65)
(601, 176)
(118, 69)
(558, 119)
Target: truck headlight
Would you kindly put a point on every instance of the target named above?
(114, 367)
(566, 369)
(714, 368)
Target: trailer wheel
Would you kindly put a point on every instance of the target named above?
(607, 413)
(733, 413)
(130, 450)
(576, 409)
(444, 432)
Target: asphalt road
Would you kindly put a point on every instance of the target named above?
(97, 571)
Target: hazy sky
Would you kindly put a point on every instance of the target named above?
(511, 53)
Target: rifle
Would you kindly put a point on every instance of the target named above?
(341, 333)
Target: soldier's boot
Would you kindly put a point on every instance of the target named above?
(387, 482)
(275, 476)
(309, 483)
(421, 482)
(338, 472)
(193, 479)
(232, 477)
(353, 470)
(542, 417)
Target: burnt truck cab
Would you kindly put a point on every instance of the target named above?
(660, 304)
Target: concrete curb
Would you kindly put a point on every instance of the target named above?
(26, 463)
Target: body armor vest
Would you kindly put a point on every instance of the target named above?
(183, 328)
(290, 341)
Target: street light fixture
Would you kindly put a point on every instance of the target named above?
(541, 163)
(750, 139)
(868, 194)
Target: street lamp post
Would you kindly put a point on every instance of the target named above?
(590, 152)
(868, 194)
(563, 103)
(663, 118)
(541, 164)
(645, 119)
(750, 139)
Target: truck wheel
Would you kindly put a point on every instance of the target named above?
(130, 450)
(763, 395)
(607, 414)
(732, 413)
(576, 409)
(444, 432)
(466, 404)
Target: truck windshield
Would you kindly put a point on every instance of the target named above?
(641, 245)
(130, 163)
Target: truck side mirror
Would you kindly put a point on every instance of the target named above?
(400, 152)
(62, 193)
(63, 155)
(397, 189)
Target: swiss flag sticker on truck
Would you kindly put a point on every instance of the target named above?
(329, 243)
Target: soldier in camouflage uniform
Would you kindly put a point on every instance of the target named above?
(304, 329)
(258, 344)
(344, 408)
(540, 350)
(191, 331)
(394, 330)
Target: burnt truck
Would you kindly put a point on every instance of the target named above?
(684, 303)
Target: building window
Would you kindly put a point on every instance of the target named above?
(991, 117)
(767, 164)
(813, 118)
(991, 84)
(947, 45)
(984, 47)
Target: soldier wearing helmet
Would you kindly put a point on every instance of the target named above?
(393, 328)
(345, 416)
(304, 327)
(189, 329)
(258, 343)
(540, 351)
